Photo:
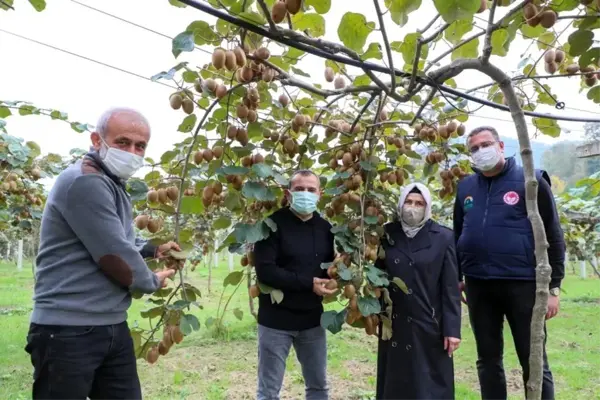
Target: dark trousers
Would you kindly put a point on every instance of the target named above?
(489, 301)
(77, 362)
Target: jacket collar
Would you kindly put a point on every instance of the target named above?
(421, 241)
(509, 164)
(95, 157)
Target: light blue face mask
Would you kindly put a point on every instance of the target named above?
(304, 203)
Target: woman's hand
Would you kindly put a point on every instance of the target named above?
(451, 344)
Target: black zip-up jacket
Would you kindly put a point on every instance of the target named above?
(288, 260)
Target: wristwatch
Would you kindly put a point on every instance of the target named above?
(555, 291)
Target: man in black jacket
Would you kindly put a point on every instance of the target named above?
(496, 253)
(290, 260)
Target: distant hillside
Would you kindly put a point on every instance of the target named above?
(511, 148)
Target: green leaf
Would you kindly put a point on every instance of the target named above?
(5, 112)
(333, 320)
(239, 314)
(401, 285)
(565, 5)
(265, 289)
(262, 170)
(233, 201)
(188, 123)
(453, 10)
(233, 170)
(313, 23)
(258, 191)
(367, 166)
(153, 312)
(27, 109)
(300, 72)
(203, 33)
(247, 233)
(547, 126)
(362, 80)
(354, 30)
(271, 224)
(469, 50)
(190, 76)
(580, 41)
(499, 39)
(233, 279)
(594, 94)
(457, 30)
(177, 3)
(399, 9)
(530, 32)
(370, 220)
(344, 272)
(191, 205)
(276, 296)
(546, 40)
(409, 47)
(179, 255)
(188, 324)
(373, 51)
(320, 6)
(368, 305)
(39, 5)
(253, 17)
(222, 223)
(182, 42)
(592, 56)
(376, 276)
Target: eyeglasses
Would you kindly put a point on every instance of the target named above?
(483, 145)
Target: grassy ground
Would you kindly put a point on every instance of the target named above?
(204, 367)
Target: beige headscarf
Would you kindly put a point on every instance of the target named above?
(411, 231)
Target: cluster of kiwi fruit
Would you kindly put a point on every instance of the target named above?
(338, 82)
(163, 195)
(393, 177)
(449, 178)
(430, 133)
(245, 70)
(182, 100)
(349, 156)
(171, 335)
(553, 59)
(247, 259)
(236, 181)
(239, 134)
(249, 161)
(261, 206)
(545, 17)
(301, 122)
(208, 155)
(213, 194)
(590, 75)
(281, 8)
(401, 145)
(144, 221)
(246, 111)
(335, 126)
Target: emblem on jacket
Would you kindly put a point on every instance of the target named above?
(468, 203)
(511, 198)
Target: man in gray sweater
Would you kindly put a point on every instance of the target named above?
(88, 263)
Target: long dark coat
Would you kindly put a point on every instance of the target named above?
(413, 363)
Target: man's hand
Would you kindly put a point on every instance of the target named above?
(163, 253)
(319, 287)
(553, 306)
(163, 275)
(451, 344)
(461, 288)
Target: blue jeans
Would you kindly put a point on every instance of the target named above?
(273, 349)
(77, 362)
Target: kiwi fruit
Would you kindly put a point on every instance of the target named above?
(549, 56)
(559, 56)
(548, 18)
(242, 136)
(482, 6)
(278, 12)
(221, 91)
(153, 226)
(230, 60)
(253, 291)
(262, 53)
(218, 58)
(284, 100)
(329, 74)
(152, 196)
(211, 85)
(242, 111)
(551, 68)
(339, 82)
(240, 56)
(188, 106)
(252, 116)
(572, 69)
(293, 6)
(207, 155)
(176, 101)
(152, 355)
(218, 151)
(141, 221)
(173, 193)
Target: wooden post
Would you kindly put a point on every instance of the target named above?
(582, 272)
(8, 251)
(20, 256)
(216, 254)
(230, 261)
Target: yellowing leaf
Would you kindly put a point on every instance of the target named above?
(399, 9)
(453, 10)
(313, 23)
(469, 50)
(354, 30)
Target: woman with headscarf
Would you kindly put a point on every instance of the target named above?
(416, 362)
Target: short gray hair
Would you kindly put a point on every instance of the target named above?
(480, 129)
(102, 125)
(303, 172)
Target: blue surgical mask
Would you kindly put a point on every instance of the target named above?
(304, 203)
(121, 163)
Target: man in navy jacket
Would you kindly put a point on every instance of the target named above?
(495, 248)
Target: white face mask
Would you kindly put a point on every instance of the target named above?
(486, 158)
(412, 216)
(121, 163)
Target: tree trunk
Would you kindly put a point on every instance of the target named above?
(594, 264)
(210, 262)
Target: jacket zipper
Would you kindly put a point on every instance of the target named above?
(487, 201)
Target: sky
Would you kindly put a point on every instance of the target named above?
(51, 79)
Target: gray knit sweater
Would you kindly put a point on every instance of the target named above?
(89, 258)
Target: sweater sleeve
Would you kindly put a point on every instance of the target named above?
(269, 273)
(146, 249)
(554, 232)
(91, 212)
(457, 220)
